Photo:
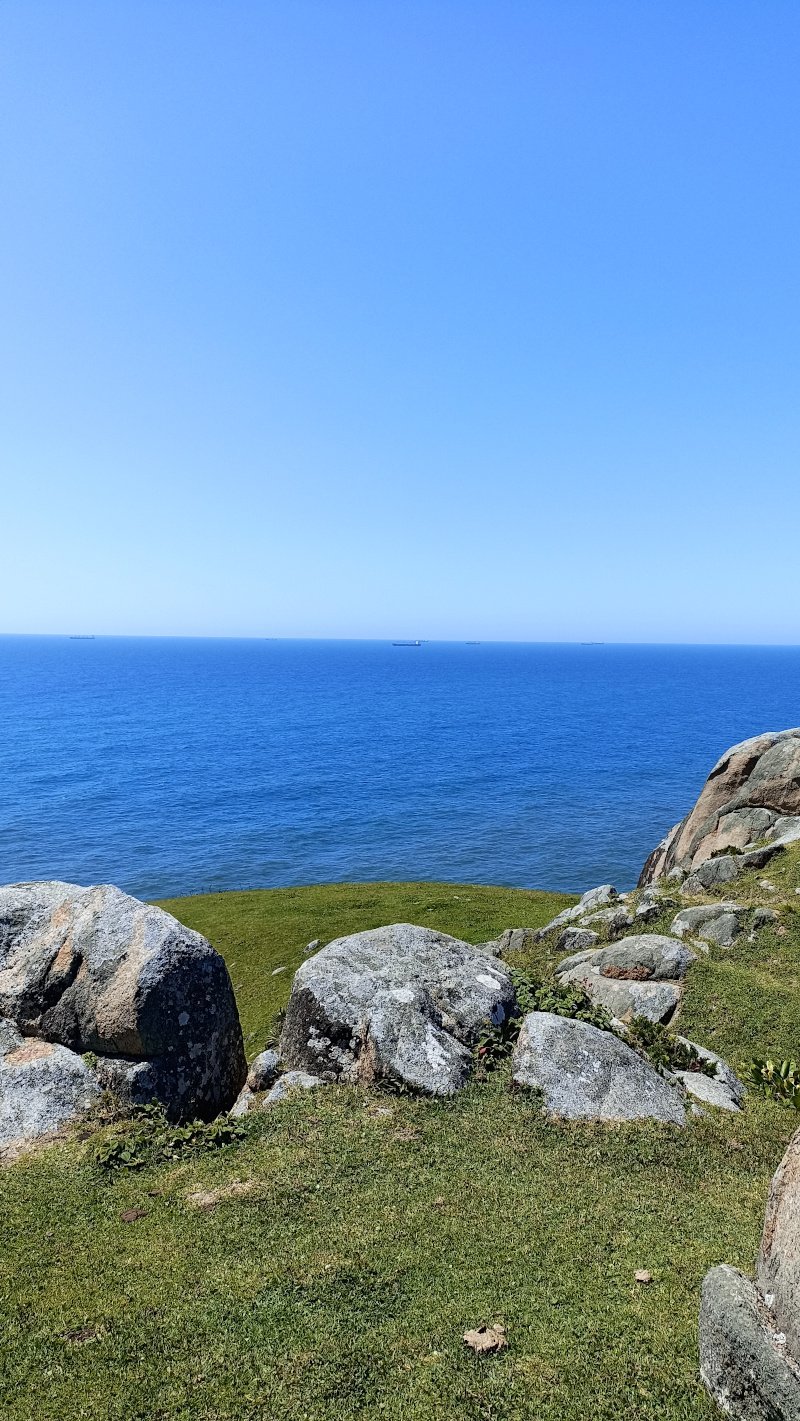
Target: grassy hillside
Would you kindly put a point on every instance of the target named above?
(349, 1238)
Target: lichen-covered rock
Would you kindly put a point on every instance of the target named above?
(574, 940)
(586, 1073)
(95, 970)
(744, 1362)
(401, 1002)
(590, 902)
(42, 1088)
(708, 1090)
(714, 873)
(752, 789)
(715, 922)
(264, 1070)
(615, 921)
(292, 1080)
(639, 976)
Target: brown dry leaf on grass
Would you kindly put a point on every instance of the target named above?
(130, 1216)
(487, 1339)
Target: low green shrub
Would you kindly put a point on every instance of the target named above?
(146, 1137)
(777, 1081)
(664, 1049)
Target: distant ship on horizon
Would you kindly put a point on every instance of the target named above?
(406, 643)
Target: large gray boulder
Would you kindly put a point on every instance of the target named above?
(586, 1073)
(750, 1333)
(640, 976)
(751, 791)
(42, 1088)
(94, 970)
(400, 1002)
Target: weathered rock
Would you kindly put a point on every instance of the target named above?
(401, 1002)
(95, 970)
(725, 1074)
(759, 858)
(743, 1359)
(42, 1088)
(264, 1070)
(243, 1104)
(292, 1080)
(714, 873)
(511, 940)
(764, 918)
(707, 1089)
(778, 1266)
(574, 940)
(716, 922)
(639, 976)
(586, 1073)
(595, 898)
(750, 790)
(785, 830)
(615, 921)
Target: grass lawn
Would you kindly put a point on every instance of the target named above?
(356, 1235)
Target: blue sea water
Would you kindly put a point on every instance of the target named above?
(174, 766)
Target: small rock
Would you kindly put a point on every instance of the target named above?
(264, 1070)
(513, 940)
(292, 1080)
(712, 874)
(767, 885)
(615, 920)
(312, 947)
(717, 922)
(243, 1103)
(574, 940)
(642, 1276)
(707, 1089)
(594, 899)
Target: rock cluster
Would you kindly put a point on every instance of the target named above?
(92, 971)
(752, 793)
(750, 1332)
(640, 976)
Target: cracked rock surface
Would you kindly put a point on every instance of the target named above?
(95, 970)
(640, 976)
(400, 1002)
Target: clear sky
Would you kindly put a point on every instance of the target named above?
(438, 318)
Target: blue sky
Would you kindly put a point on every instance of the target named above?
(463, 318)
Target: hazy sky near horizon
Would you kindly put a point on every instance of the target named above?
(437, 318)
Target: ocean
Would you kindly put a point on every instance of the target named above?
(172, 766)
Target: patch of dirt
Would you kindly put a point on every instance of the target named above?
(487, 1339)
(208, 1199)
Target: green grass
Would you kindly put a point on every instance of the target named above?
(375, 1229)
(268, 929)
